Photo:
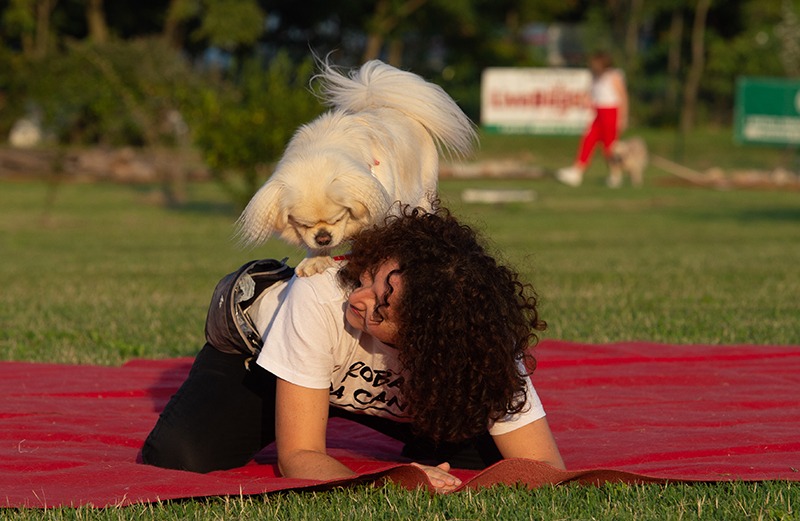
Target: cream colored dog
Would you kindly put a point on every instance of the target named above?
(629, 156)
(345, 170)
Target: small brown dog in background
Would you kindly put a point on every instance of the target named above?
(629, 155)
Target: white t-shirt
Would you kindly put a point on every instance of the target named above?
(308, 342)
(604, 91)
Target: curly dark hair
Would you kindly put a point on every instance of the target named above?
(465, 321)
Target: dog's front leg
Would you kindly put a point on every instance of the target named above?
(313, 264)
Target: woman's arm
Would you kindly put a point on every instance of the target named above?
(532, 441)
(301, 420)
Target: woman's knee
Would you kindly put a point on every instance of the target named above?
(191, 450)
(169, 452)
(213, 422)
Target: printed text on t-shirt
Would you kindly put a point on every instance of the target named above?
(363, 387)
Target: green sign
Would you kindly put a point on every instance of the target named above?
(768, 111)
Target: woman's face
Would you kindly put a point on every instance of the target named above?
(372, 307)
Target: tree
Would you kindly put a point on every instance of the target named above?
(96, 20)
(29, 21)
(242, 130)
(788, 31)
(674, 57)
(385, 19)
(226, 24)
(681, 56)
(692, 85)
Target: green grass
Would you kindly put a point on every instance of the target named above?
(711, 147)
(729, 501)
(102, 275)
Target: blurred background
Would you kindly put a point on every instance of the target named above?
(132, 133)
(175, 90)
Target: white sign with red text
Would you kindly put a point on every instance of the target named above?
(536, 100)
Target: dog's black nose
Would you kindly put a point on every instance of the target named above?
(323, 238)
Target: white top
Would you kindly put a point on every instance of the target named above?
(308, 342)
(604, 94)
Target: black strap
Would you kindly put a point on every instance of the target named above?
(228, 326)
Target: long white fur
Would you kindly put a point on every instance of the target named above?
(379, 144)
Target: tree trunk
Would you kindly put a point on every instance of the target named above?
(674, 57)
(376, 31)
(383, 22)
(689, 111)
(632, 31)
(96, 20)
(173, 25)
(395, 55)
(373, 48)
(42, 38)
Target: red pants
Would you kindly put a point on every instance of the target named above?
(603, 129)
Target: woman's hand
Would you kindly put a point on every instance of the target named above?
(440, 477)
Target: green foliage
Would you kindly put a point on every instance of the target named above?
(755, 51)
(226, 24)
(12, 90)
(120, 93)
(466, 36)
(182, 10)
(242, 129)
(18, 18)
(230, 23)
(125, 92)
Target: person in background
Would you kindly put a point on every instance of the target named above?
(609, 98)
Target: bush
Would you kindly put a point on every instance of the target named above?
(120, 93)
(242, 129)
(128, 93)
(12, 99)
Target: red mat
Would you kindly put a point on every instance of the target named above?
(631, 412)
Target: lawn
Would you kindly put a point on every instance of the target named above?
(100, 274)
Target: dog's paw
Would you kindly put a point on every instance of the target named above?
(313, 265)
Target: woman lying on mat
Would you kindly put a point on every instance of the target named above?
(420, 335)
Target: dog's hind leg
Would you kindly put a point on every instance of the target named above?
(637, 177)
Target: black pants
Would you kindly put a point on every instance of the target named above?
(224, 413)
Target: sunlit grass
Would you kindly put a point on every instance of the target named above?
(724, 501)
(103, 275)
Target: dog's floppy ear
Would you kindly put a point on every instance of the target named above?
(264, 215)
(363, 195)
(359, 211)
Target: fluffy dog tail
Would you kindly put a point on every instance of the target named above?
(378, 85)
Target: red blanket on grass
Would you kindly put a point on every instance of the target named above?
(631, 412)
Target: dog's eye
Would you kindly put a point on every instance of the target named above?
(298, 224)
